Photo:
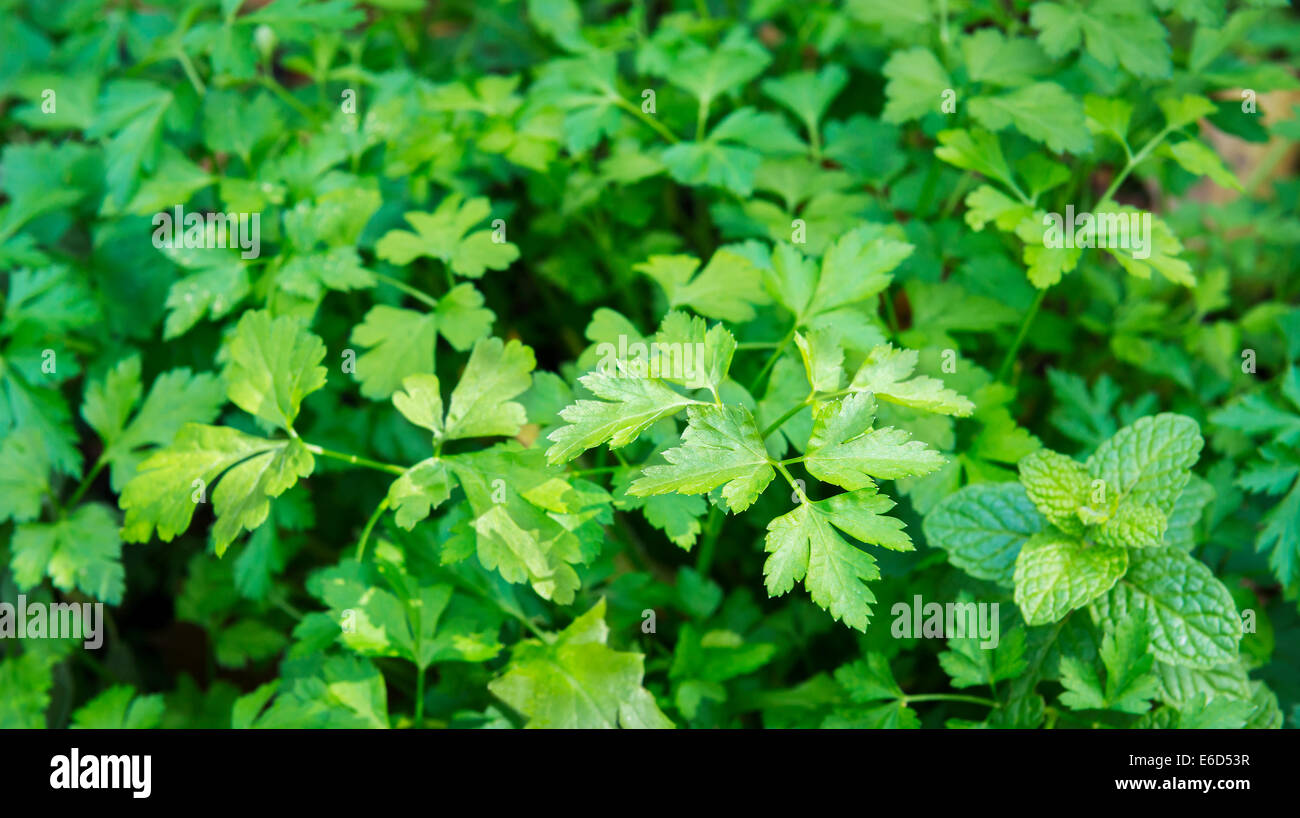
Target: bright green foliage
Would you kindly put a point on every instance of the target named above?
(543, 363)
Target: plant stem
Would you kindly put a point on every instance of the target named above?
(712, 528)
(950, 697)
(370, 525)
(658, 126)
(86, 481)
(794, 410)
(1133, 162)
(408, 289)
(391, 468)
(1005, 369)
(419, 695)
(771, 361)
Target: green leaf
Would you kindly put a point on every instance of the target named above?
(119, 708)
(576, 681)
(887, 373)
(983, 528)
(1193, 619)
(81, 551)
(480, 403)
(24, 475)
(915, 84)
(272, 365)
(999, 60)
(721, 445)
(806, 94)
(630, 406)
(1149, 461)
(176, 398)
(1112, 31)
(727, 288)
(170, 483)
(846, 451)
(1056, 574)
(445, 235)
(804, 545)
(976, 150)
(400, 343)
(1043, 112)
(1058, 486)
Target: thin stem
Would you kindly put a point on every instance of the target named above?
(1133, 162)
(408, 289)
(355, 460)
(1005, 369)
(193, 75)
(658, 126)
(794, 410)
(86, 481)
(712, 528)
(950, 697)
(419, 695)
(771, 361)
(370, 525)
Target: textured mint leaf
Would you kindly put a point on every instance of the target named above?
(1056, 574)
(1149, 462)
(721, 445)
(983, 527)
(845, 450)
(1193, 619)
(1058, 486)
(271, 365)
(1134, 525)
(577, 681)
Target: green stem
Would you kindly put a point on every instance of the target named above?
(1133, 162)
(419, 695)
(370, 525)
(408, 289)
(193, 75)
(1005, 369)
(771, 361)
(950, 697)
(712, 528)
(794, 410)
(658, 126)
(391, 468)
(86, 481)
